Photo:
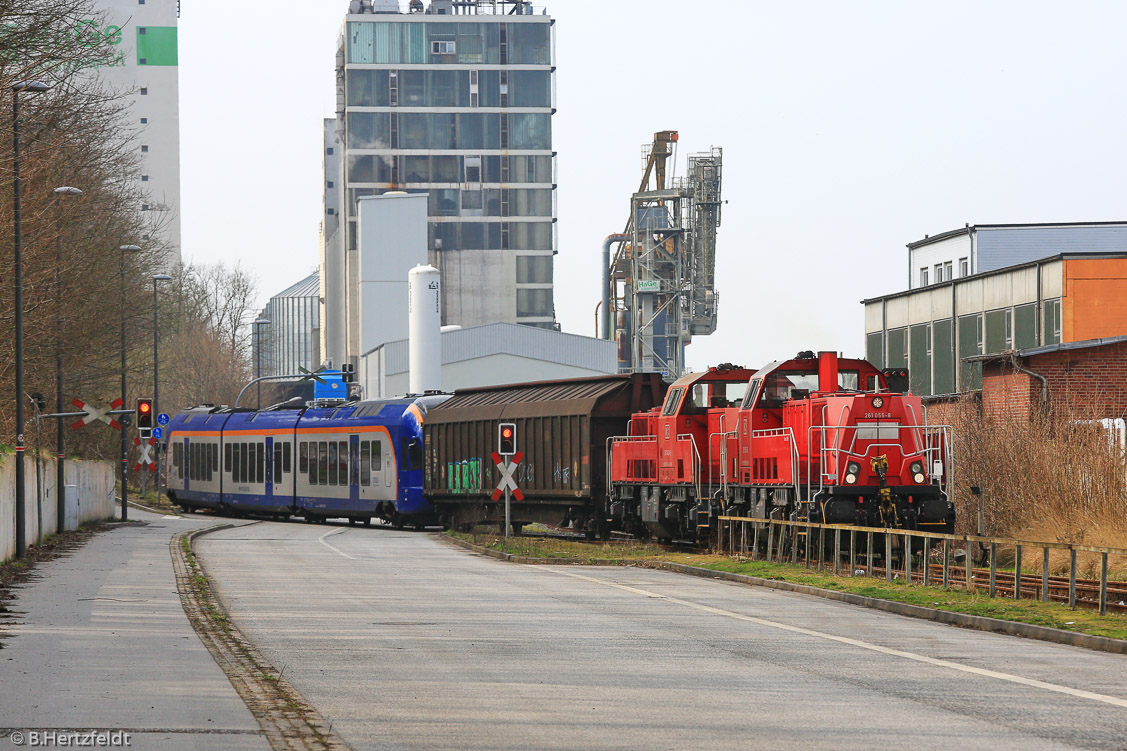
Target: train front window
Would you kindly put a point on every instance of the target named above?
(716, 394)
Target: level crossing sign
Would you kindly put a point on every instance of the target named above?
(507, 481)
(146, 459)
(93, 413)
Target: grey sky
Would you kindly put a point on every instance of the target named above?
(849, 129)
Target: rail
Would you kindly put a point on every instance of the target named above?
(778, 540)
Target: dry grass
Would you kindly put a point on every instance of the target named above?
(1053, 478)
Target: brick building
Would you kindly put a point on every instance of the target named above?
(1091, 376)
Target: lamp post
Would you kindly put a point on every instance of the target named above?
(34, 87)
(156, 363)
(258, 355)
(124, 432)
(60, 449)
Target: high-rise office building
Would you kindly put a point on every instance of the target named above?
(455, 100)
(145, 68)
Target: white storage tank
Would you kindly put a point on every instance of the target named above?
(424, 295)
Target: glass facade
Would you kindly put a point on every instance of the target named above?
(460, 109)
(290, 341)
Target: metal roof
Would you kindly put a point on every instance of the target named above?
(1048, 348)
(310, 286)
(927, 240)
(600, 395)
(511, 339)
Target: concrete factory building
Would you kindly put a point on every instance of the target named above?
(455, 103)
(145, 69)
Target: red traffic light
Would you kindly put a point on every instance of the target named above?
(506, 439)
(144, 414)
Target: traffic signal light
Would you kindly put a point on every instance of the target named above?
(145, 415)
(507, 439)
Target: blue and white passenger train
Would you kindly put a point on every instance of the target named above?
(357, 461)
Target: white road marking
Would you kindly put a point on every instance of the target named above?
(321, 540)
(1114, 701)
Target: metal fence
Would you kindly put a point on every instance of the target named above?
(929, 558)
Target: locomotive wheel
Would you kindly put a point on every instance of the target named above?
(352, 521)
(367, 521)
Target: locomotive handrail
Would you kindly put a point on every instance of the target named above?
(696, 459)
(931, 450)
(788, 431)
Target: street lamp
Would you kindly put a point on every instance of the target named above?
(60, 451)
(31, 87)
(156, 363)
(258, 355)
(124, 432)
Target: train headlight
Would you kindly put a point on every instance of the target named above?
(919, 478)
(853, 468)
(917, 469)
(850, 479)
(878, 402)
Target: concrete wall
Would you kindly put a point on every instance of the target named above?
(96, 489)
(393, 240)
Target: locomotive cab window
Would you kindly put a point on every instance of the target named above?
(752, 388)
(672, 401)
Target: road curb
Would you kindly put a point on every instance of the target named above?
(964, 620)
(287, 720)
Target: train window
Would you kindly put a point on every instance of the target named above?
(323, 464)
(191, 468)
(314, 461)
(415, 454)
(672, 401)
(286, 466)
(214, 460)
(277, 462)
(365, 462)
(749, 397)
(260, 462)
(303, 458)
(342, 462)
(244, 462)
(849, 380)
(234, 462)
(226, 457)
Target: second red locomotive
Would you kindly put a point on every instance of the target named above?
(816, 438)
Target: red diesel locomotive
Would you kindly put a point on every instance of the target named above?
(816, 438)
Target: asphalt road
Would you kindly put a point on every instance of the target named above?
(402, 641)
